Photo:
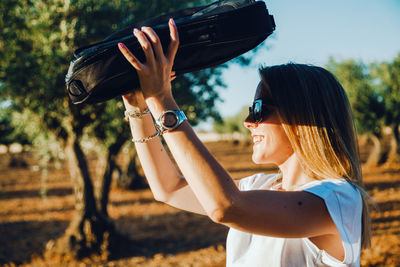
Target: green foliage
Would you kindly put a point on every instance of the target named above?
(44, 143)
(233, 124)
(9, 133)
(387, 79)
(37, 42)
(196, 93)
(366, 102)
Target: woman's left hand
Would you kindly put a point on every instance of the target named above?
(155, 73)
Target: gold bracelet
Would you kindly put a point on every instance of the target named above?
(144, 140)
(136, 115)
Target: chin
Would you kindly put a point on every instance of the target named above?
(260, 160)
(267, 157)
(255, 160)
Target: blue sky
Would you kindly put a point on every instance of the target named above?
(310, 32)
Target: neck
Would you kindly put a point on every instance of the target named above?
(293, 175)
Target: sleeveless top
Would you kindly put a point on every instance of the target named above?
(344, 204)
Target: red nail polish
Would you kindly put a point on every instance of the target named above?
(121, 45)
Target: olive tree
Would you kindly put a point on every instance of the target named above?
(366, 102)
(37, 40)
(387, 79)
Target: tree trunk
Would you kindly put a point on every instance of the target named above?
(396, 132)
(375, 154)
(89, 231)
(393, 155)
(104, 189)
(130, 178)
(363, 140)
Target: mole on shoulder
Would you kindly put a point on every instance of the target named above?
(299, 203)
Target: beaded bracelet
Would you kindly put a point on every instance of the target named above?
(144, 140)
(134, 114)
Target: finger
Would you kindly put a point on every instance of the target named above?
(152, 35)
(173, 75)
(173, 46)
(130, 57)
(146, 46)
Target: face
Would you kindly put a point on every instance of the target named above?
(271, 144)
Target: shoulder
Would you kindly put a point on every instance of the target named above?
(258, 181)
(344, 204)
(339, 189)
(342, 199)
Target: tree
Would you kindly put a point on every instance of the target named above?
(8, 133)
(36, 44)
(234, 123)
(366, 102)
(387, 77)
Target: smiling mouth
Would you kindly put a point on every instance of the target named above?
(257, 139)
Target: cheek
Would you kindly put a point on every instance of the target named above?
(275, 148)
(284, 141)
(285, 150)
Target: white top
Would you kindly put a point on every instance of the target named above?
(344, 204)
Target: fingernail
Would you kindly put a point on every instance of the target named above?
(171, 20)
(135, 31)
(121, 45)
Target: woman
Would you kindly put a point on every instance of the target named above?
(312, 213)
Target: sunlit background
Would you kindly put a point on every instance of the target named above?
(311, 32)
(51, 152)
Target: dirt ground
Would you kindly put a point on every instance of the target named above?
(34, 210)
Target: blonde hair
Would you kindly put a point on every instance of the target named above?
(316, 116)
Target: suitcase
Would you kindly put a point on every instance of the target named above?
(209, 35)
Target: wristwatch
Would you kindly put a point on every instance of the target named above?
(170, 120)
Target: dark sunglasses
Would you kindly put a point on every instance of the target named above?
(259, 110)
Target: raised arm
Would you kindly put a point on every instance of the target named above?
(164, 180)
(262, 212)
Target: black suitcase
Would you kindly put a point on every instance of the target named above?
(209, 35)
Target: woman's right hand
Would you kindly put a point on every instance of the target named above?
(156, 71)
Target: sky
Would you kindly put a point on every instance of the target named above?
(310, 32)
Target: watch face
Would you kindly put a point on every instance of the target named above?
(169, 119)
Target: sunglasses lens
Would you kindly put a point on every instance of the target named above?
(257, 111)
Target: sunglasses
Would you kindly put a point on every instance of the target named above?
(259, 110)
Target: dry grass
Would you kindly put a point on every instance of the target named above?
(166, 236)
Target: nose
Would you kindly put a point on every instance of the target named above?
(248, 122)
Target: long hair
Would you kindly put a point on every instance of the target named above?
(317, 118)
